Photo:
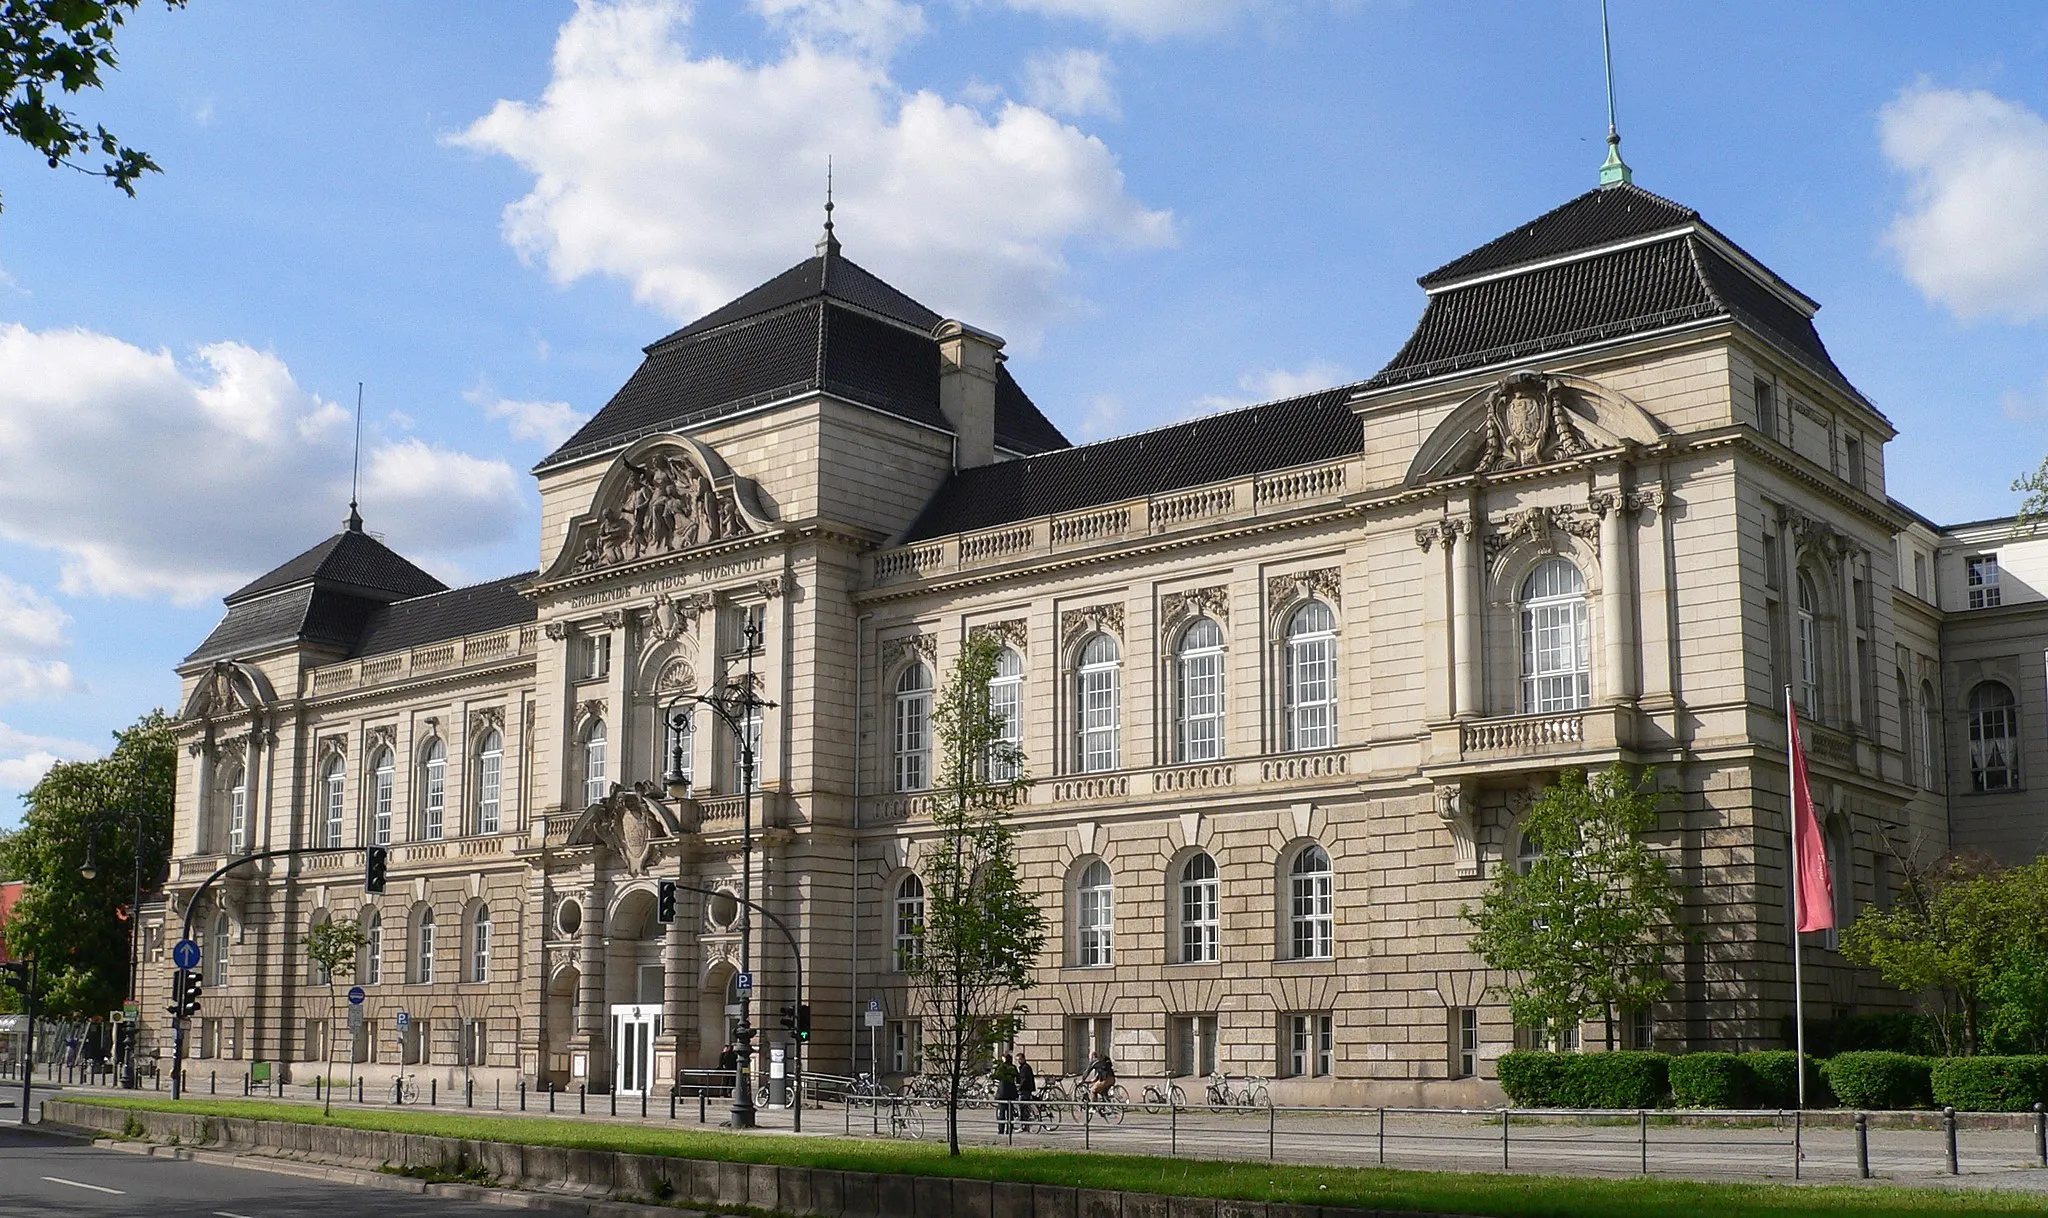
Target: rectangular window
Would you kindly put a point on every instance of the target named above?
(1309, 1039)
(1920, 576)
(1982, 578)
(906, 1046)
(1464, 1039)
(596, 657)
(1312, 696)
(1193, 1044)
(238, 817)
(1556, 657)
(1097, 907)
(1200, 916)
(913, 755)
(331, 833)
(737, 624)
(752, 727)
(435, 811)
(380, 806)
(1200, 724)
(490, 783)
(1100, 719)
(475, 1048)
(1640, 1030)
(1766, 408)
(1088, 1034)
(1852, 459)
(1773, 568)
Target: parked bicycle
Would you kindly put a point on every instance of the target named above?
(1248, 1092)
(905, 1121)
(1169, 1096)
(408, 1089)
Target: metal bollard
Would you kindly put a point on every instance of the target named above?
(1503, 1139)
(551, 1099)
(1643, 1116)
(433, 1093)
(671, 1103)
(1863, 1146)
(397, 1095)
(1087, 1126)
(1948, 1120)
(1272, 1128)
(360, 1086)
(643, 1103)
(1798, 1141)
(2041, 1133)
(583, 1099)
(469, 1093)
(614, 1094)
(1383, 1137)
(1173, 1130)
(700, 1106)
(522, 1095)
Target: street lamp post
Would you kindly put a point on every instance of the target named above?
(89, 871)
(739, 706)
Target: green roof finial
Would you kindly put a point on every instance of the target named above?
(1614, 171)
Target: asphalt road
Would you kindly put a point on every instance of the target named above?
(46, 1176)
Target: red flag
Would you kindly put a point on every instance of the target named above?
(1813, 894)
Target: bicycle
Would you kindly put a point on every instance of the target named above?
(408, 1089)
(1157, 1097)
(1220, 1093)
(1110, 1106)
(905, 1121)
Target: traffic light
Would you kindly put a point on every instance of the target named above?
(803, 1021)
(789, 1019)
(665, 902)
(177, 1007)
(379, 858)
(15, 976)
(188, 1001)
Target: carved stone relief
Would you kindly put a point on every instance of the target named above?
(489, 719)
(771, 587)
(557, 630)
(383, 736)
(896, 651)
(675, 615)
(1324, 582)
(1536, 525)
(665, 505)
(589, 708)
(1527, 424)
(1646, 499)
(1074, 623)
(1454, 804)
(1179, 607)
(1011, 633)
(628, 821)
(675, 676)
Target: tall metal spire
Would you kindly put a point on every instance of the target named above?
(1615, 171)
(828, 245)
(355, 473)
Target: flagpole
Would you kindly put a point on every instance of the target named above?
(1792, 834)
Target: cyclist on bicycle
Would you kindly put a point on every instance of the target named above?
(1100, 1075)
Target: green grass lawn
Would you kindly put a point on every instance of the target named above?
(1508, 1196)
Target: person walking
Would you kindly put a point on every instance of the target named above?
(1005, 1075)
(1027, 1088)
(728, 1063)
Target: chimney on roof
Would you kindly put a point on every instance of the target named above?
(968, 363)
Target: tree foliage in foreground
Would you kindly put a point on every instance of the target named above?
(53, 48)
(334, 946)
(1589, 930)
(982, 930)
(77, 929)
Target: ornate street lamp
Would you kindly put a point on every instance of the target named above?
(739, 706)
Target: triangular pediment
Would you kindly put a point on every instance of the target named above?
(1530, 419)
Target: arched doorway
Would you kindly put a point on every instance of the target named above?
(561, 1024)
(718, 1013)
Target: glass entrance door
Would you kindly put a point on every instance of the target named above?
(634, 1031)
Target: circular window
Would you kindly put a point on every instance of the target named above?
(568, 917)
(724, 909)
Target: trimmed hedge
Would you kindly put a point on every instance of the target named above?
(1881, 1079)
(1898, 1031)
(1777, 1080)
(1712, 1080)
(1991, 1084)
(1585, 1080)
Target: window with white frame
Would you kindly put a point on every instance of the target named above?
(1311, 1044)
(1097, 698)
(750, 726)
(1994, 738)
(217, 959)
(909, 924)
(1556, 640)
(490, 781)
(383, 780)
(1930, 738)
(1809, 646)
(1006, 707)
(238, 811)
(1192, 1044)
(906, 1046)
(433, 791)
(1095, 920)
(596, 763)
(1905, 693)
(678, 746)
(373, 950)
(1198, 692)
(1200, 907)
(1311, 678)
(480, 945)
(1310, 918)
(1980, 574)
(423, 950)
(913, 728)
(333, 804)
(1464, 1029)
(596, 657)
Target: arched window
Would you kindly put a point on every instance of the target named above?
(1095, 907)
(596, 771)
(1311, 693)
(1006, 707)
(913, 723)
(909, 924)
(1994, 738)
(490, 784)
(218, 956)
(1310, 923)
(332, 806)
(480, 945)
(1527, 851)
(1200, 905)
(423, 954)
(1905, 722)
(383, 778)
(1097, 697)
(1556, 640)
(1930, 738)
(373, 950)
(1840, 841)
(1198, 692)
(1809, 647)
(317, 973)
(238, 811)
(433, 791)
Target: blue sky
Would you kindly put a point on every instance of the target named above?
(482, 211)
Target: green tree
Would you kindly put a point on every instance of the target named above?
(334, 946)
(982, 930)
(1589, 929)
(1957, 927)
(77, 929)
(51, 48)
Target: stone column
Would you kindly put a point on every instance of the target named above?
(1657, 639)
(1462, 540)
(674, 989)
(1617, 672)
(591, 1027)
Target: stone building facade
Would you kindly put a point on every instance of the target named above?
(1287, 677)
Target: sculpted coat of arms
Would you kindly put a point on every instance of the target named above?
(1527, 423)
(628, 821)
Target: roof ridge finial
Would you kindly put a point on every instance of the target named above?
(828, 245)
(354, 524)
(1614, 171)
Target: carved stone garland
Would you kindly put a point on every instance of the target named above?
(1536, 524)
(1324, 582)
(1179, 607)
(383, 736)
(1011, 633)
(665, 506)
(489, 719)
(895, 651)
(1109, 619)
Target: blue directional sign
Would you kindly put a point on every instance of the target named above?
(356, 995)
(743, 984)
(185, 954)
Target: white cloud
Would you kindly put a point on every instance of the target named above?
(872, 27)
(1974, 234)
(24, 759)
(154, 478)
(1144, 18)
(22, 679)
(1273, 384)
(1071, 82)
(548, 422)
(29, 621)
(695, 177)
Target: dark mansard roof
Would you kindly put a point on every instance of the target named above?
(826, 324)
